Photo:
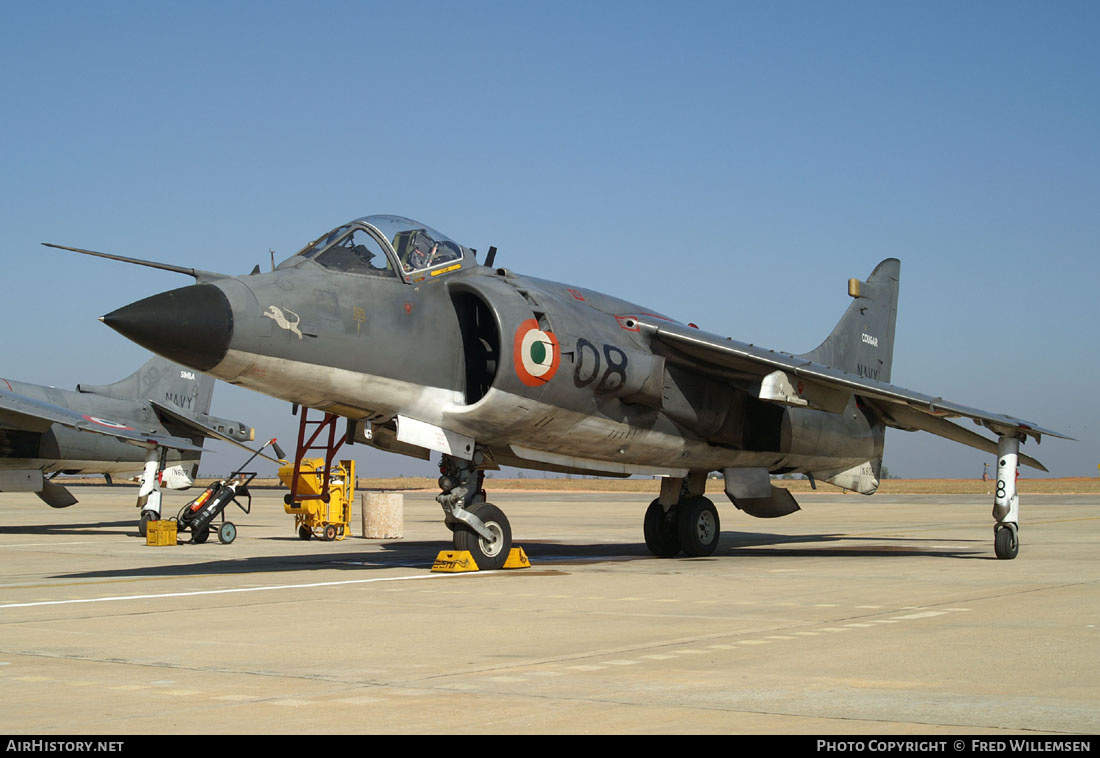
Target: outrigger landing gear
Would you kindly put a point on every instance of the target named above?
(682, 519)
(149, 493)
(1006, 503)
(479, 527)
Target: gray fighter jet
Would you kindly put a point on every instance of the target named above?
(397, 328)
(155, 417)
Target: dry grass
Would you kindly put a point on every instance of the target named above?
(1037, 486)
(1067, 486)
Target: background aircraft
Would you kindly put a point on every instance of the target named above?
(396, 327)
(157, 416)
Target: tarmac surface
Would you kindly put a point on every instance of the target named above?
(880, 615)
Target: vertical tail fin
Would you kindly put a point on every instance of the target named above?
(862, 342)
(163, 381)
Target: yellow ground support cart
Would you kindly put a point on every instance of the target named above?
(316, 512)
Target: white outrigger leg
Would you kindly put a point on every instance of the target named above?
(1006, 503)
(149, 494)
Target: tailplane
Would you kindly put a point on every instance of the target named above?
(162, 381)
(862, 342)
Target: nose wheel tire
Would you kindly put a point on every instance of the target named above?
(698, 526)
(1006, 543)
(489, 555)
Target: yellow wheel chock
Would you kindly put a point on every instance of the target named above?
(459, 561)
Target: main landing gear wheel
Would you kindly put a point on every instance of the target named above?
(1006, 543)
(697, 526)
(660, 530)
(488, 555)
(227, 532)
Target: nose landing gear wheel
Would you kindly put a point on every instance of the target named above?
(488, 555)
(1006, 543)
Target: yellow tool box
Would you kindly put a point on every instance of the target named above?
(160, 533)
(317, 513)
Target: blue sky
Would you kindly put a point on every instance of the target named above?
(727, 163)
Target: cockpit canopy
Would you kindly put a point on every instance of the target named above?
(386, 246)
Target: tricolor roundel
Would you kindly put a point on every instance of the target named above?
(536, 354)
(106, 422)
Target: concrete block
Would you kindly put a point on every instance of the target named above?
(383, 515)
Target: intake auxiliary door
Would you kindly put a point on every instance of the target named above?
(480, 344)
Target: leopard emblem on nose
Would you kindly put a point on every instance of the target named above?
(277, 315)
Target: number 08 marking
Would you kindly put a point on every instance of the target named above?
(614, 377)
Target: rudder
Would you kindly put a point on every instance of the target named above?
(862, 342)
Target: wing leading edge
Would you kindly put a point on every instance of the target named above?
(796, 381)
(180, 417)
(25, 412)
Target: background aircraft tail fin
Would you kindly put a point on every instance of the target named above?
(862, 342)
(163, 381)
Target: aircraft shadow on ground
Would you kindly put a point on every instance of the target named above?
(546, 554)
(97, 528)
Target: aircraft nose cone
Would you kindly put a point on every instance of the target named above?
(190, 325)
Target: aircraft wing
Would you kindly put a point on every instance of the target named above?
(27, 413)
(178, 416)
(793, 380)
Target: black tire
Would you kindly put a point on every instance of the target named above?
(1006, 543)
(330, 533)
(227, 532)
(201, 535)
(305, 533)
(659, 528)
(487, 556)
(698, 526)
(143, 522)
